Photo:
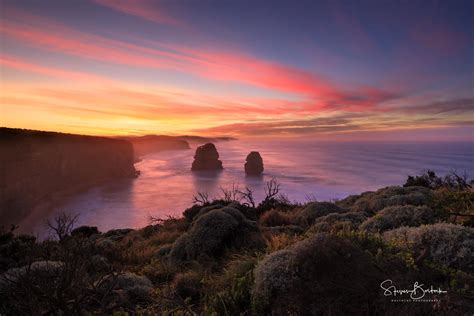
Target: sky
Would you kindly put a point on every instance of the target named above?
(367, 69)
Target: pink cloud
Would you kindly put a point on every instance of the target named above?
(13, 62)
(315, 91)
(144, 9)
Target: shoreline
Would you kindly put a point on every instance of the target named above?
(52, 202)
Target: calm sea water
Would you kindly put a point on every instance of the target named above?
(305, 169)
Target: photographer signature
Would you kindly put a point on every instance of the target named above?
(416, 293)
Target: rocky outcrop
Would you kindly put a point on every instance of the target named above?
(206, 158)
(254, 163)
(36, 166)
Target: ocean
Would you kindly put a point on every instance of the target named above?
(306, 170)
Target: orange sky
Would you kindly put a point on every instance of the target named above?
(104, 77)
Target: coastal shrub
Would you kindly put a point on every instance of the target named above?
(429, 179)
(396, 216)
(188, 285)
(455, 206)
(207, 209)
(372, 202)
(287, 229)
(85, 231)
(314, 210)
(192, 212)
(338, 221)
(275, 218)
(230, 293)
(117, 234)
(323, 274)
(446, 244)
(214, 232)
(42, 287)
(160, 271)
(136, 287)
(276, 240)
(15, 250)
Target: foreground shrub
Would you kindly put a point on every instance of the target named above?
(188, 285)
(15, 250)
(455, 206)
(314, 210)
(372, 202)
(275, 218)
(230, 293)
(429, 179)
(212, 233)
(396, 216)
(336, 222)
(136, 287)
(446, 244)
(324, 274)
(85, 231)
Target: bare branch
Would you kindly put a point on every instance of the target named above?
(272, 189)
(231, 195)
(247, 196)
(201, 198)
(62, 224)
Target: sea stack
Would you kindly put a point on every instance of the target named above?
(206, 158)
(254, 164)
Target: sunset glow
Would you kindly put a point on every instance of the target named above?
(336, 71)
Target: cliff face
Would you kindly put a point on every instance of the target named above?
(36, 165)
(144, 145)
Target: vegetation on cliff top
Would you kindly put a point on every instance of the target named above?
(232, 256)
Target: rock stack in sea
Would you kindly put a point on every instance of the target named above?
(206, 158)
(254, 163)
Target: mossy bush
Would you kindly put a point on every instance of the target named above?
(372, 202)
(314, 210)
(137, 287)
(214, 232)
(188, 285)
(446, 244)
(338, 221)
(229, 293)
(397, 216)
(275, 218)
(321, 274)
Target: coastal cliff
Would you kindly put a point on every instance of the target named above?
(34, 166)
(143, 145)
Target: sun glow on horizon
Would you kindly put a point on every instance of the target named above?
(148, 76)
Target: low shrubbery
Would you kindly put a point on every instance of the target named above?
(319, 274)
(446, 244)
(372, 202)
(214, 232)
(429, 179)
(396, 216)
(314, 210)
(275, 218)
(336, 222)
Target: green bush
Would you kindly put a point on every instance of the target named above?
(321, 275)
(214, 232)
(336, 222)
(372, 202)
(275, 218)
(314, 210)
(396, 216)
(446, 244)
(188, 285)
